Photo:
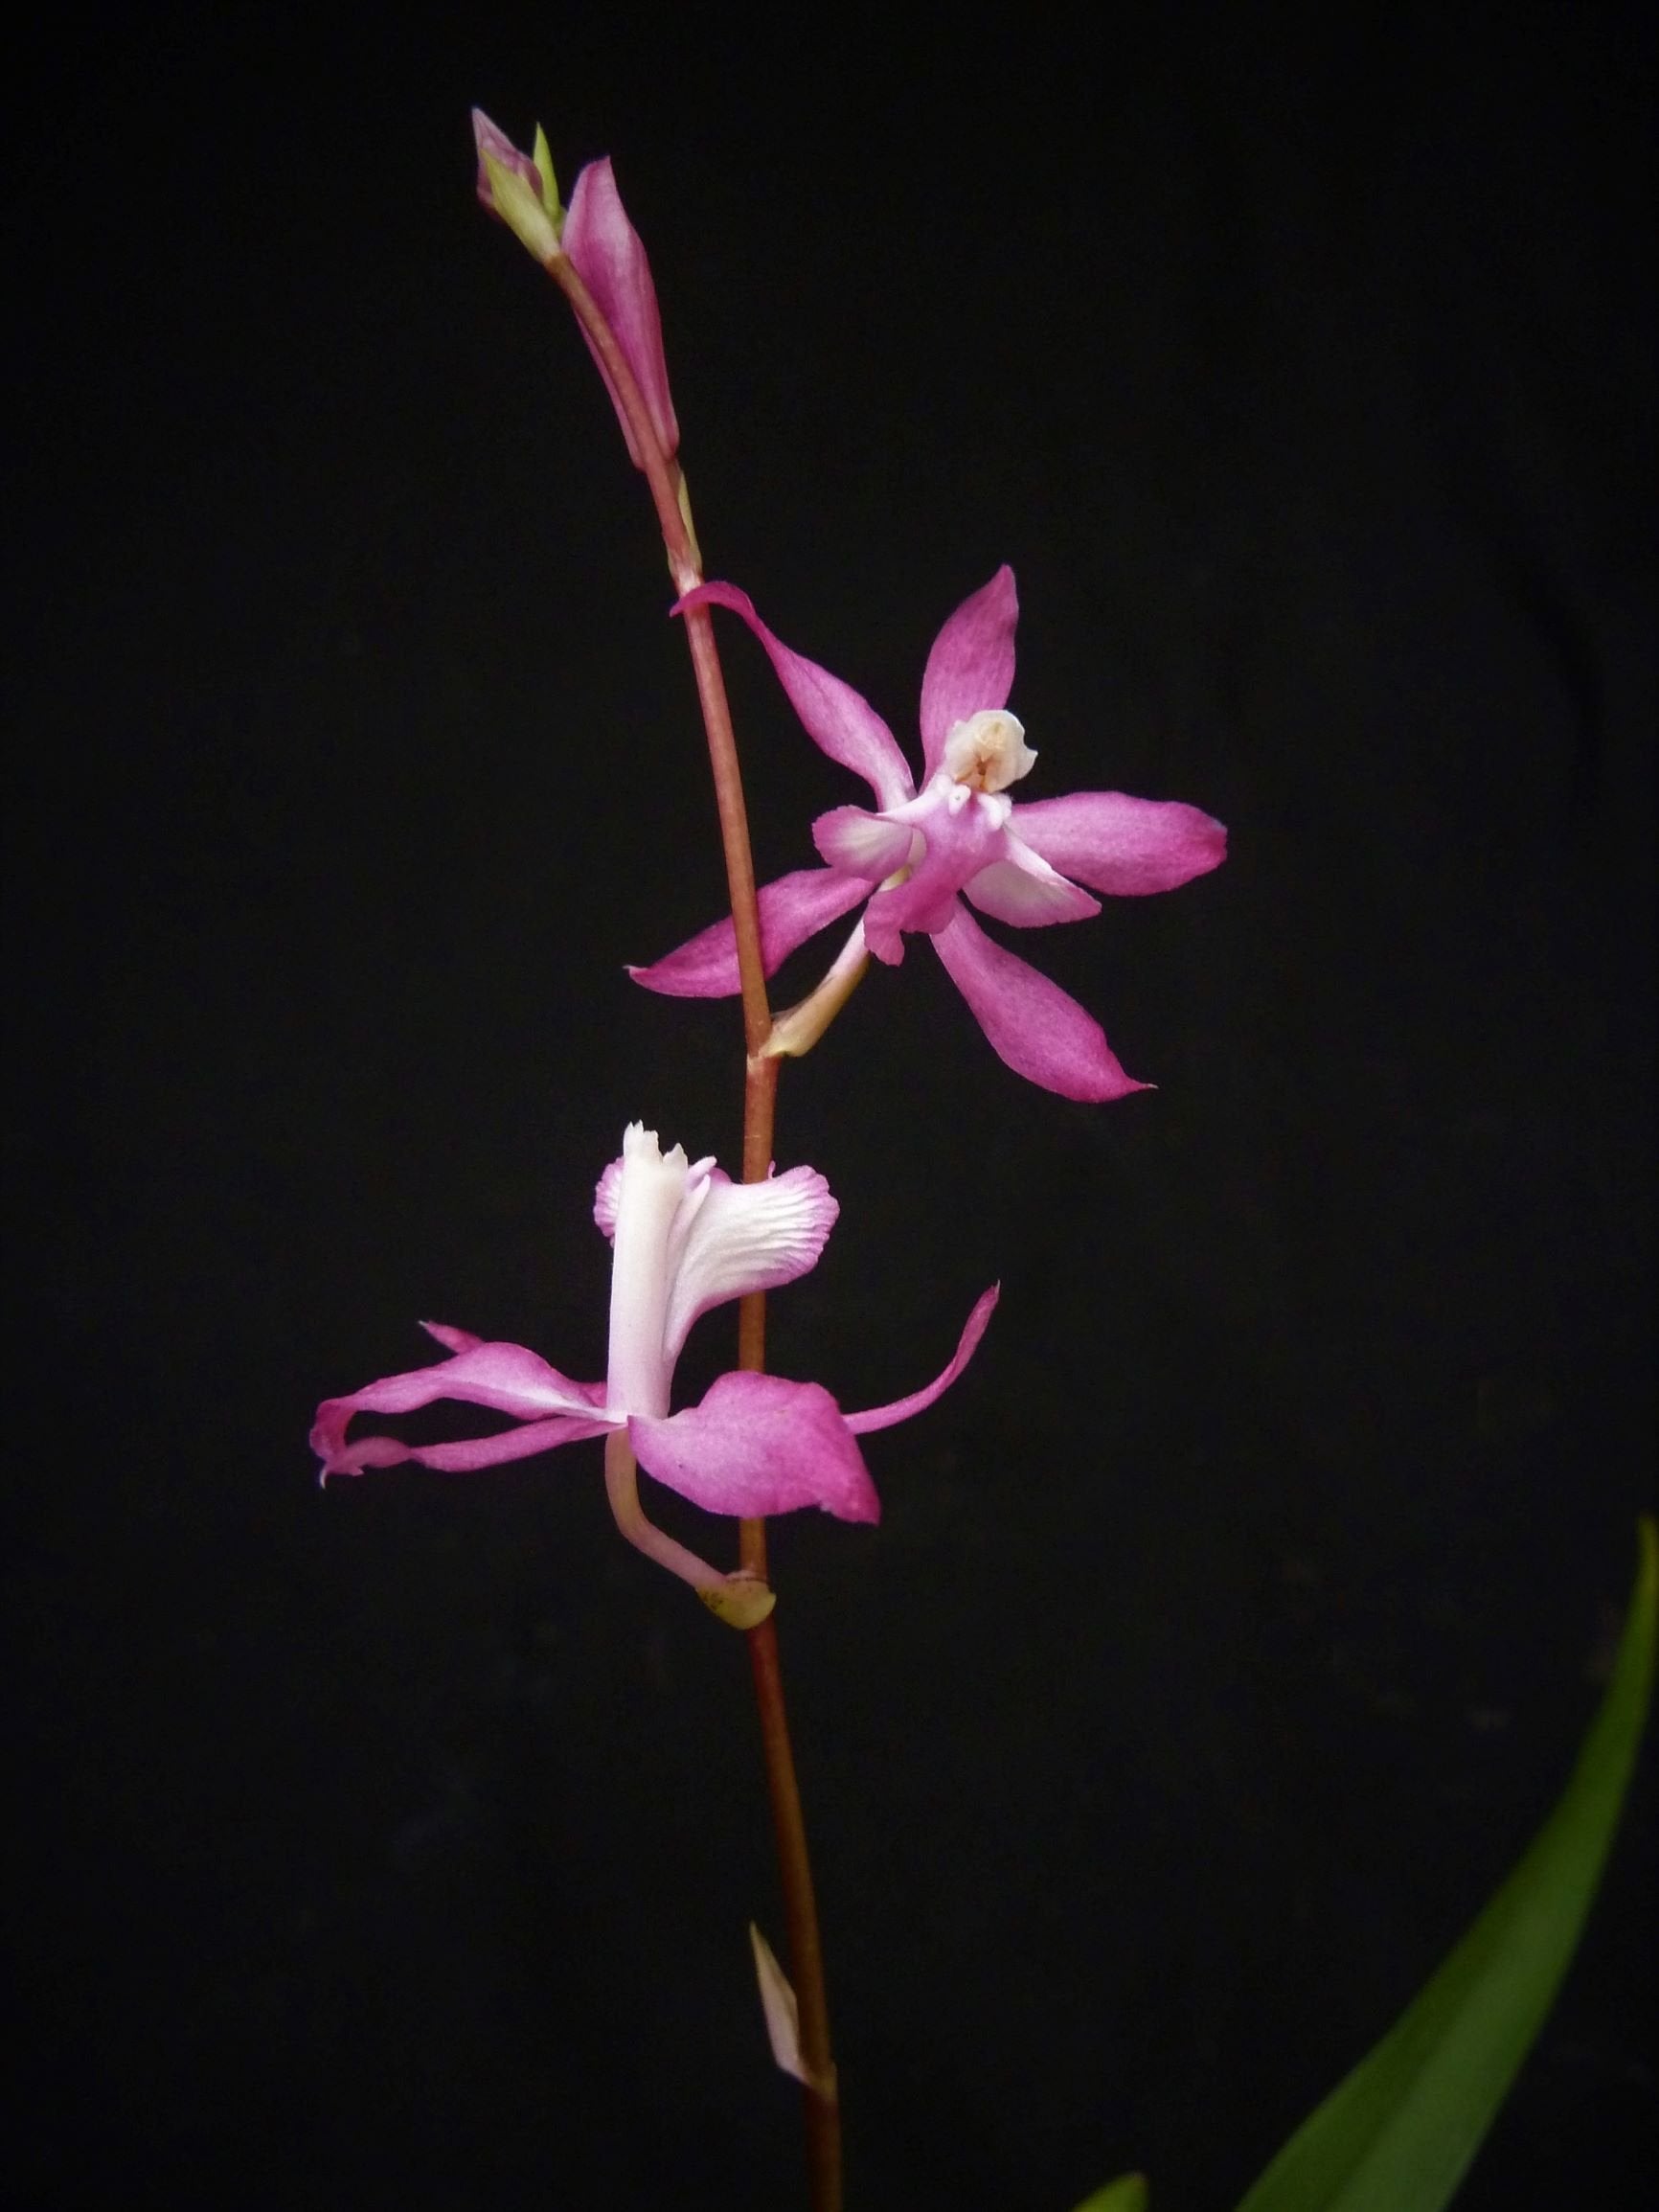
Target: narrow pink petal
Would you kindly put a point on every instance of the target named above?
(469, 1456)
(860, 843)
(507, 1377)
(1023, 889)
(901, 1409)
(1121, 845)
(746, 1237)
(1035, 1027)
(758, 1445)
(971, 664)
(610, 260)
(838, 721)
(792, 909)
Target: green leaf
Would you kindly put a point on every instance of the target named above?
(1401, 2129)
(1126, 2193)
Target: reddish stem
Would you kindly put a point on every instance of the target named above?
(822, 2106)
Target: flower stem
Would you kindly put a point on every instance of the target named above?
(667, 489)
(739, 1600)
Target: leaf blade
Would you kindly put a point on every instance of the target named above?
(1402, 2128)
(1126, 2193)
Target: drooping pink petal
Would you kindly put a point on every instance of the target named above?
(1033, 1025)
(758, 1445)
(860, 843)
(964, 834)
(835, 718)
(470, 1455)
(610, 259)
(792, 909)
(1022, 888)
(919, 1401)
(507, 1377)
(1124, 846)
(746, 1237)
(971, 665)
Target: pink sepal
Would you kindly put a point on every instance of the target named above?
(507, 1377)
(792, 908)
(919, 1401)
(1033, 1025)
(1124, 846)
(758, 1445)
(971, 665)
(470, 1455)
(838, 720)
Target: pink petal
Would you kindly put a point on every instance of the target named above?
(961, 842)
(838, 721)
(971, 664)
(919, 1401)
(860, 843)
(792, 909)
(758, 1445)
(610, 260)
(1022, 888)
(1033, 1025)
(507, 1377)
(470, 1455)
(1121, 845)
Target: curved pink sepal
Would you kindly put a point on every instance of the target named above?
(971, 665)
(506, 1377)
(919, 1401)
(468, 1456)
(1124, 846)
(758, 1445)
(1033, 1025)
(837, 718)
(793, 908)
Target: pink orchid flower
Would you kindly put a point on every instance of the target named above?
(911, 861)
(685, 1238)
(605, 251)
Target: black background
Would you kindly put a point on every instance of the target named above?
(1237, 1616)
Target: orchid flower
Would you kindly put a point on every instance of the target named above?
(685, 1238)
(604, 249)
(907, 861)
